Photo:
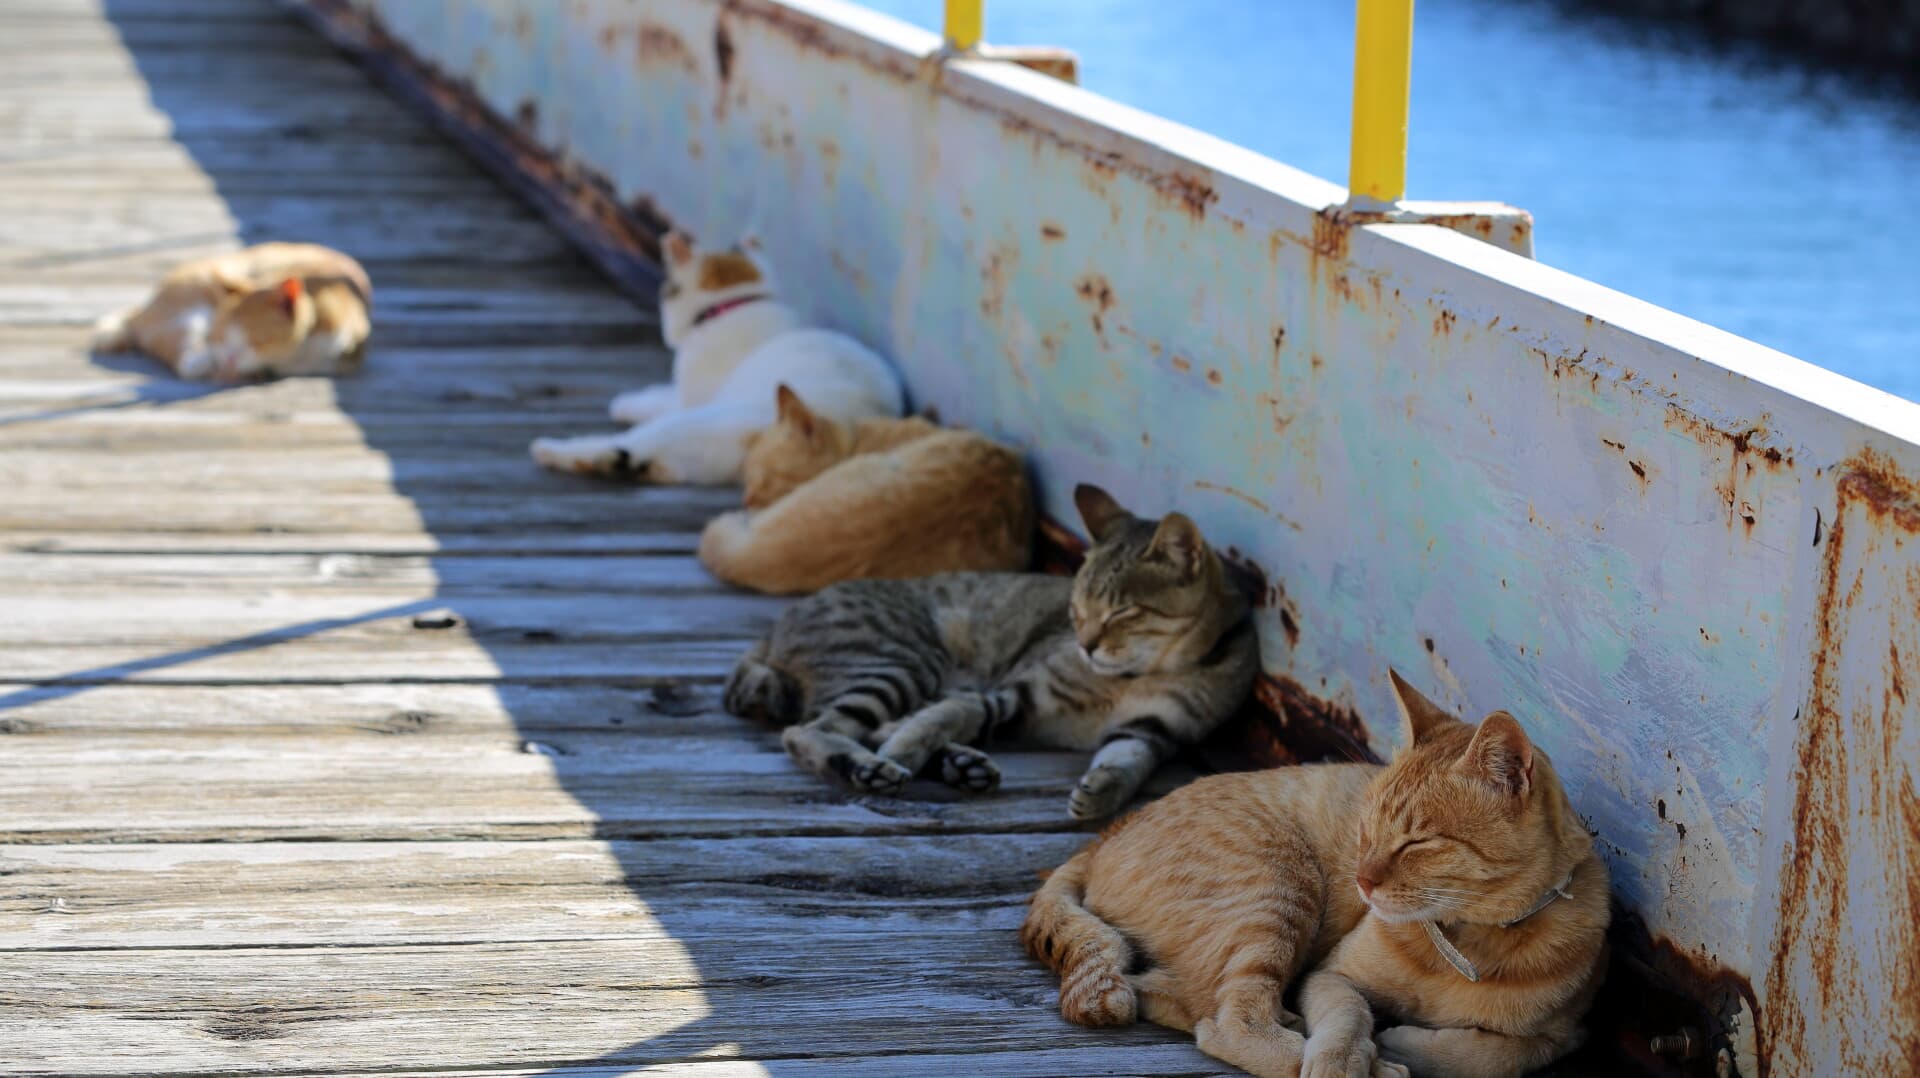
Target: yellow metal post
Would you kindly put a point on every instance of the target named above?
(966, 23)
(1382, 74)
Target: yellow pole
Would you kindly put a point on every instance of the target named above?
(1382, 74)
(966, 23)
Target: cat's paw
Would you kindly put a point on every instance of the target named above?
(969, 769)
(1097, 994)
(591, 456)
(1339, 1058)
(879, 776)
(644, 405)
(1101, 793)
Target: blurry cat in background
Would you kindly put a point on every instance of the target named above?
(887, 498)
(269, 310)
(733, 343)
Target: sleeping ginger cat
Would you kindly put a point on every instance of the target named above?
(1454, 891)
(273, 309)
(887, 498)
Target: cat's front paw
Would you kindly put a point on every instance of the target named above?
(879, 776)
(1338, 1058)
(590, 456)
(969, 769)
(1101, 793)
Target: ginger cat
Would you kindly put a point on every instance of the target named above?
(886, 498)
(1453, 890)
(269, 310)
(733, 341)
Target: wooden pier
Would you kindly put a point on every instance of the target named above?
(335, 737)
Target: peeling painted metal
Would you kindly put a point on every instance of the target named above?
(1691, 564)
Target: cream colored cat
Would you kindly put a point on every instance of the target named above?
(733, 341)
(273, 309)
(1454, 891)
(885, 498)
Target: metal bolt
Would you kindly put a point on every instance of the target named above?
(1683, 1043)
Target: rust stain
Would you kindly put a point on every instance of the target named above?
(994, 274)
(1309, 727)
(660, 45)
(1052, 232)
(1232, 492)
(1852, 783)
(1050, 351)
(723, 53)
(1098, 291)
(609, 36)
(852, 273)
(1190, 193)
(1213, 376)
(1443, 323)
(1182, 364)
(1330, 236)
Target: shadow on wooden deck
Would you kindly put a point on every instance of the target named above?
(768, 917)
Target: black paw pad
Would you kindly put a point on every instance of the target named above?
(966, 769)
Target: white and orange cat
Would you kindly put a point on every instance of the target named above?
(881, 498)
(1453, 891)
(733, 342)
(268, 310)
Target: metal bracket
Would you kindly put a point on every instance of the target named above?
(1509, 228)
(1062, 64)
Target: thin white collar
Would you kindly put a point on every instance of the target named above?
(1461, 963)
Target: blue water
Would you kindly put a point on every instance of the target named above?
(1723, 183)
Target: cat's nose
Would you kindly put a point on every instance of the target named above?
(1089, 639)
(1366, 884)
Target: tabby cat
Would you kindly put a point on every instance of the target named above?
(890, 498)
(272, 309)
(1454, 891)
(1144, 650)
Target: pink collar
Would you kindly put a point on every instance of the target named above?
(710, 313)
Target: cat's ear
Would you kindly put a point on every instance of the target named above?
(793, 411)
(1178, 540)
(1419, 716)
(1098, 510)
(931, 413)
(1500, 755)
(677, 248)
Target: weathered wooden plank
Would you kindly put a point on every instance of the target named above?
(134, 576)
(339, 893)
(341, 711)
(155, 541)
(1130, 1058)
(59, 352)
(250, 790)
(41, 301)
(565, 506)
(630, 1002)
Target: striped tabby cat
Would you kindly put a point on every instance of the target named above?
(1146, 649)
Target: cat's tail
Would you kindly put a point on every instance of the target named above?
(113, 333)
(1090, 955)
(759, 690)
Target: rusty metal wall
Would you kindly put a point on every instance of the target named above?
(1690, 564)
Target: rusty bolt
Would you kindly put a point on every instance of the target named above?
(1683, 1043)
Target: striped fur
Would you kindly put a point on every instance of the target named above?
(1144, 651)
